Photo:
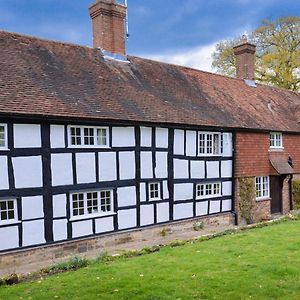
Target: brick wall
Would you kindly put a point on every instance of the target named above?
(286, 195)
(252, 153)
(261, 209)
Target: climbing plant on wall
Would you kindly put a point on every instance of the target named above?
(247, 198)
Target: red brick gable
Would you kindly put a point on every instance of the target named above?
(45, 78)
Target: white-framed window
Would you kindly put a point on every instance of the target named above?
(208, 190)
(262, 185)
(3, 136)
(88, 137)
(154, 191)
(85, 204)
(210, 143)
(8, 211)
(276, 140)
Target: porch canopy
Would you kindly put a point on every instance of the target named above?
(281, 164)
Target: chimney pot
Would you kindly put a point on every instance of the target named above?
(108, 19)
(245, 59)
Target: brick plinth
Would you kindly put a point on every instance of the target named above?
(24, 261)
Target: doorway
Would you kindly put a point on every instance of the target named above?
(276, 184)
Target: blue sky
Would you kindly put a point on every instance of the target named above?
(178, 31)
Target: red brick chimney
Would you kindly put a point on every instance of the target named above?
(108, 19)
(245, 60)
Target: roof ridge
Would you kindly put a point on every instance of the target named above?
(143, 58)
(44, 39)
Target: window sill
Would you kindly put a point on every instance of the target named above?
(274, 149)
(88, 147)
(4, 149)
(91, 216)
(12, 222)
(263, 199)
(208, 197)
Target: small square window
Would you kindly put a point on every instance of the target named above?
(88, 136)
(276, 140)
(75, 135)
(154, 191)
(8, 210)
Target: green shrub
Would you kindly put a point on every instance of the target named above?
(246, 201)
(104, 257)
(165, 231)
(296, 193)
(198, 226)
(74, 263)
(177, 243)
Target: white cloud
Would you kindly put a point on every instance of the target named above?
(198, 58)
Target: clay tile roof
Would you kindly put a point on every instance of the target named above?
(279, 162)
(58, 80)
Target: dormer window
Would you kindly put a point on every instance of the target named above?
(276, 140)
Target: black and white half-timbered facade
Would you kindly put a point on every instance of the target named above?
(66, 181)
(94, 141)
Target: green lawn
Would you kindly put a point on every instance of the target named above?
(261, 263)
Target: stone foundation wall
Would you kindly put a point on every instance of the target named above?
(24, 261)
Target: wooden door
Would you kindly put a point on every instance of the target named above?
(276, 183)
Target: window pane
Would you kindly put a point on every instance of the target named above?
(216, 144)
(102, 136)
(202, 143)
(2, 136)
(209, 144)
(75, 135)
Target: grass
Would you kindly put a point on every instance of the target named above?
(262, 263)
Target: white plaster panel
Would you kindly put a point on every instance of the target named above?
(182, 211)
(191, 143)
(161, 136)
(146, 165)
(227, 144)
(226, 169)
(183, 191)
(214, 207)
(33, 233)
(163, 214)
(4, 183)
(82, 228)
(27, 136)
(179, 142)
(142, 192)
(126, 196)
(107, 166)
(123, 137)
(9, 237)
(32, 207)
(181, 168)
(226, 205)
(28, 171)
(57, 136)
(62, 170)
(146, 136)
(59, 206)
(127, 218)
(213, 169)
(147, 215)
(165, 190)
(202, 208)
(85, 167)
(227, 188)
(197, 169)
(104, 224)
(127, 165)
(161, 169)
(60, 230)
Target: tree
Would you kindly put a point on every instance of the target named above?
(278, 53)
